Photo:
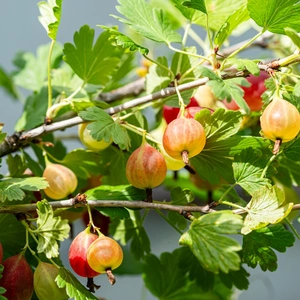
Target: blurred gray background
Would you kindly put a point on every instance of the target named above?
(21, 30)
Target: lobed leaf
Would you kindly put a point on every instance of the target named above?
(151, 22)
(7, 84)
(257, 246)
(267, 206)
(275, 15)
(214, 251)
(248, 167)
(12, 189)
(96, 63)
(50, 230)
(105, 128)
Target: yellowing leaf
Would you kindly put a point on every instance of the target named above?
(267, 206)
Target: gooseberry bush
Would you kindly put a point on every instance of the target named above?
(163, 100)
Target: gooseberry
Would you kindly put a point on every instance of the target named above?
(205, 97)
(62, 181)
(44, 283)
(17, 278)
(78, 253)
(184, 138)
(105, 255)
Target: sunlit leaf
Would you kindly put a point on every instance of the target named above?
(267, 206)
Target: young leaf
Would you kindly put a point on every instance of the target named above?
(257, 246)
(12, 189)
(148, 21)
(233, 21)
(245, 64)
(132, 230)
(275, 15)
(105, 128)
(50, 230)
(214, 251)
(92, 63)
(196, 4)
(267, 206)
(248, 167)
(75, 290)
(124, 41)
(89, 162)
(50, 16)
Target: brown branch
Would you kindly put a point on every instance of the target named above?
(25, 208)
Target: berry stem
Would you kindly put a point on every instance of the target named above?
(91, 285)
(185, 156)
(49, 74)
(149, 195)
(111, 277)
(276, 147)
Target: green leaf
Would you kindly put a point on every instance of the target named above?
(121, 192)
(124, 41)
(33, 73)
(275, 15)
(92, 63)
(267, 206)
(196, 4)
(89, 162)
(181, 196)
(257, 246)
(230, 89)
(75, 290)
(245, 64)
(132, 230)
(214, 251)
(12, 189)
(105, 128)
(16, 165)
(13, 228)
(50, 230)
(248, 168)
(293, 150)
(151, 22)
(219, 128)
(7, 83)
(233, 21)
(50, 16)
(293, 35)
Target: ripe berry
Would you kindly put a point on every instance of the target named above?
(78, 253)
(280, 121)
(17, 278)
(146, 167)
(88, 141)
(205, 97)
(184, 138)
(105, 255)
(62, 181)
(45, 286)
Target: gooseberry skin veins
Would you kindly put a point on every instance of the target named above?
(280, 121)
(62, 181)
(104, 253)
(184, 134)
(146, 167)
(78, 254)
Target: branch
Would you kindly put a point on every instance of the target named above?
(19, 140)
(24, 208)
